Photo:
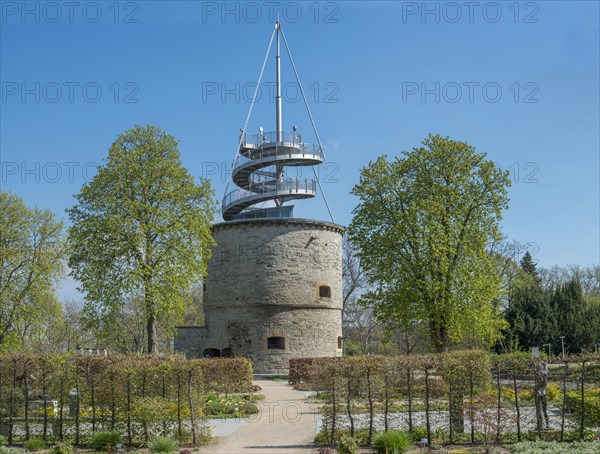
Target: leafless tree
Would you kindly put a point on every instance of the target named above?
(587, 276)
(410, 338)
(354, 280)
(360, 324)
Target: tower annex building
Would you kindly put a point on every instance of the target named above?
(274, 284)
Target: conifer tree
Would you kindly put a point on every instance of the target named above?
(529, 266)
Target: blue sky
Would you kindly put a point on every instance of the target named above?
(519, 81)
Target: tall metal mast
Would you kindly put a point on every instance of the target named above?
(278, 113)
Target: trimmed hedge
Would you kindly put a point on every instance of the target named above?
(305, 373)
(138, 396)
(493, 397)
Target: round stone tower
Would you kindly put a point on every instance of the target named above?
(274, 292)
(274, 285)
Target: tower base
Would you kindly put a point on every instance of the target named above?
(273, 292)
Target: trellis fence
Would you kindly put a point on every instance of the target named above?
(467, 396)
(73, 396)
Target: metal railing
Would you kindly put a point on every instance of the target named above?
(288, 186)
(303, 151)
(255, 140)
(261, 158)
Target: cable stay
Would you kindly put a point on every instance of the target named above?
(261, 158)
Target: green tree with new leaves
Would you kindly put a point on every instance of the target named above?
(422, 228)
(141, 229)
(32, 254)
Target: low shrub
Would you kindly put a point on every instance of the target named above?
(576, 435)
(507, 393)
(61, 448)
(439, 436)
(464, 437)
(319, 397)
(526, 394)
(322, 438)
(346, 445)
(418, 433)
(231, 406)
(392, 442)
(2, 440)
(552, 447)
(591, 405)
(361, 436)
(105, 441)
(7, 450)
(553, 391)
(34, 445)
(163, 445)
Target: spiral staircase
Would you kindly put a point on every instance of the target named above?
(259, 172)
(259, 168)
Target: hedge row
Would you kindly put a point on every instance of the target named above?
(590, 411)
(54, 396)
(495, 397)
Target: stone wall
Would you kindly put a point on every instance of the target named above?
(263, 282)
(189, 340)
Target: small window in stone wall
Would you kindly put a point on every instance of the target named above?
(324, 291)
(276, 343)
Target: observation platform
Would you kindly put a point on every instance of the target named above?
(259, 171)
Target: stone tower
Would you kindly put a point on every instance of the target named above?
(274, 285)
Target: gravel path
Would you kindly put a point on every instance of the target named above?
(285, 424)
(225, 426)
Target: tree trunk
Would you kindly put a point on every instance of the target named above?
(439, 335)
(152, 335)
(149, 297)
(457, 420)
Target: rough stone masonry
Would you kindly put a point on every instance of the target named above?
(273, 292)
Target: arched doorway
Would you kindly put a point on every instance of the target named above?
(211, 353)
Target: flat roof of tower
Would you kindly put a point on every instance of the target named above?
(281, 221)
